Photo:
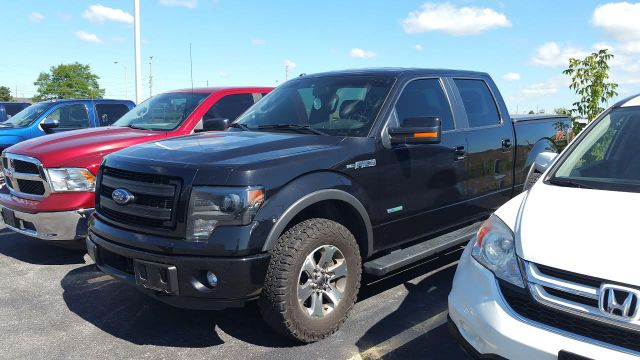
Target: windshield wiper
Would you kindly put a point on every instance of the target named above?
(240, 126)
(131, 126)
(294, 127)
(568, 183)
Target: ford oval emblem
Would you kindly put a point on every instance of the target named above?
(122, 196)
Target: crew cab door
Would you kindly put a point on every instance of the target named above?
(491, 144)
(419, 183)
(71, 116)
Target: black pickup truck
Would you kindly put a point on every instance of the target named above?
(327, 176)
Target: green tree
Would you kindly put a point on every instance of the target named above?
(5, 94)
(589, 81)
(67, 81)
(531, 112)
(562, 111)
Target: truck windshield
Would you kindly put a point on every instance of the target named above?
(607, 157)
(339, 106)
(162, 112)
(27, 116)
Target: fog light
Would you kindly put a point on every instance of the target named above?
(212, 279)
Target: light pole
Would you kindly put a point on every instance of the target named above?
(126, 92)
(136, 38)
(150, 76)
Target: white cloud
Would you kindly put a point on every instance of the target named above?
(223, 74)
(36, 16)
(88, 37)
(512, 76)
(418, 47)
(100, 13)
(258, 42)
(183, 3)
(453, 20)
(358, 53)
(552, 55)
(618, 20)
(290, 64)
(540, 89)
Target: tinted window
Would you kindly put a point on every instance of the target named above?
(230, 106)
(71, 116)
(425, 98)
(478, 102)
(109, 113)
(13, 109)
(335, 105)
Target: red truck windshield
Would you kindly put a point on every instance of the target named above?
(162, 112)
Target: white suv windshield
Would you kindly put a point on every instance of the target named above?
(607, 157)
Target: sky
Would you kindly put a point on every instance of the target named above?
(523, 45)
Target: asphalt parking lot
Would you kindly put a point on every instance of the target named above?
(54, 304)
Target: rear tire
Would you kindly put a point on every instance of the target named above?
(312, 281)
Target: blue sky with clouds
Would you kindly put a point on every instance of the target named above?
(524, 45)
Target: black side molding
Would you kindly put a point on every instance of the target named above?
(403, 257)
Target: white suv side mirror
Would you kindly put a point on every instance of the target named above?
(544, 160)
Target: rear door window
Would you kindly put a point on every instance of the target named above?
(12, 109)
(478, 102)
(71, 117)
(230, 106)
(109, 113)
(425, 98)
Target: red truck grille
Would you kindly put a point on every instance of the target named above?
(24, 176)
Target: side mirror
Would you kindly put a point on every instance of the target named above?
(214, 124)
(417, 130)
(49, 123)
(544, 160)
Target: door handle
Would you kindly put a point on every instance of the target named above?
(460, 152)
(506, 144)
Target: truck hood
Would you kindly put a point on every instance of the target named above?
(589, 232)
(229, 149)
(84, 147)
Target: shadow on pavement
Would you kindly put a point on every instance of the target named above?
(417, 329)
(37, 252)
(122, 311)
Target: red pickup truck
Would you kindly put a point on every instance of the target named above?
(50, 181)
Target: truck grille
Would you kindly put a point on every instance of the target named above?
(569, 302)
(24, 176)
(153, 203)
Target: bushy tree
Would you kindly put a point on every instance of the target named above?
(5, 94)
(67, 81)
(589, 81)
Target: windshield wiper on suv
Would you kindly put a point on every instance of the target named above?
(240, 126)
(568, 183)
(131, 126)
(294, 127)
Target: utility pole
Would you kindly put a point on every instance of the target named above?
(126, 92)
(286, 72)
(136, 41)
(150, 76)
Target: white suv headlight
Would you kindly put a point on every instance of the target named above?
(494, 248)
(71, 179)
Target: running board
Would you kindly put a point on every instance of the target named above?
(403, 257)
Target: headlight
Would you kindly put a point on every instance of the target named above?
(210, 207)
(71, 179)
(494, 248)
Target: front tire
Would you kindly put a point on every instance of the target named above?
(312, 281)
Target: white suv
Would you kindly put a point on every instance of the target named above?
(555, 273)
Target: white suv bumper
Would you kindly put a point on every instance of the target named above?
(487, 324)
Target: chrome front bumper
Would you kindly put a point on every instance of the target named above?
(55, 226)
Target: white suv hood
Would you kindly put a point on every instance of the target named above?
(589, 232)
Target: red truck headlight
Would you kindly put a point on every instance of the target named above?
(71, 179)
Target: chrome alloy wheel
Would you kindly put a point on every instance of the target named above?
(322, 281)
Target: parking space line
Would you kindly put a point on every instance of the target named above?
(380, 350)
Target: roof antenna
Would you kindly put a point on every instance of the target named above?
(191, 64)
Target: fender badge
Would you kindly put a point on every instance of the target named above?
(362, 164)
(394, 209)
